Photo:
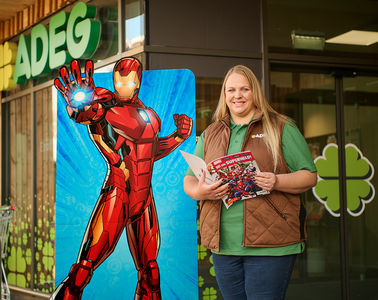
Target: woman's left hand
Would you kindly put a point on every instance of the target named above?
(266, 180)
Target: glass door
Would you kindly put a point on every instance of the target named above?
(338, 118)
(28, 183)
(309, 99)
(360, 97)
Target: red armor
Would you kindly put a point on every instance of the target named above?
(126, 133)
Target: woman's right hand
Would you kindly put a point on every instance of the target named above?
(200, 190)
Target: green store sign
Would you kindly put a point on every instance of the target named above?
(69, 36)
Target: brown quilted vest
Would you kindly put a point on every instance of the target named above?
(272, 220)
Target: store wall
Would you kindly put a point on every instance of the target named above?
(211, 24)
(201, 65)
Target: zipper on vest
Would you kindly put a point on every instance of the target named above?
(275, 208)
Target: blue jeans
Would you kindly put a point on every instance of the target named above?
(253, 277)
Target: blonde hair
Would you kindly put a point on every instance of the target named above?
(271, 119)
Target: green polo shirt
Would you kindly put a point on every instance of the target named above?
(297, 156)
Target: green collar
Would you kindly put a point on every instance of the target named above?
(233, 125)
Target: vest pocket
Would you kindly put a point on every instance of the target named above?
(274, 208)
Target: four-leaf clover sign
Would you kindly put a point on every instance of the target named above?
(359, 172)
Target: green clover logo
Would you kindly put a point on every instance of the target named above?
(359, 172)
(202, 252)
(209, 294)
(201, 281)
(48, 256)
(211, 270)
(17, 266)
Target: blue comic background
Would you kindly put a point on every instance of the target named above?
(80, 174)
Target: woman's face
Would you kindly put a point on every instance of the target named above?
(239, 98)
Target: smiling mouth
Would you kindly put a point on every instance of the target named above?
(238, 102)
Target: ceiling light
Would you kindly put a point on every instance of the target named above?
(310, 40)
(355, 37)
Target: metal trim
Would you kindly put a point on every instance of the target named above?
(121, 26)
(202, 52)
(344, 251)
(30, 91)
(33, 220)
(29, 292)
(264, 48)
(321, 60)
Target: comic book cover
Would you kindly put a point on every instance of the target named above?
(238, 170)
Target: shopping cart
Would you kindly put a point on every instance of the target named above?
(6, 216)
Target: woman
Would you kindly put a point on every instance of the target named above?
(255, 242)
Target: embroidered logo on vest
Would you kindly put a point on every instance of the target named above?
(257, 135)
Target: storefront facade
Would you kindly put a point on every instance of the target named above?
(331, 94)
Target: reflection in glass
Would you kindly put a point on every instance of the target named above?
(207, 97)
(134, 24)
(107, 14)
(334, 18)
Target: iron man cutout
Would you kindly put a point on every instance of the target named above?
(126, 134)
